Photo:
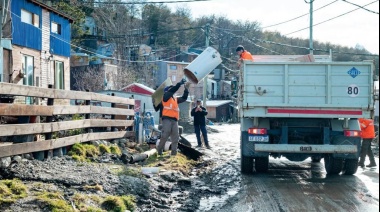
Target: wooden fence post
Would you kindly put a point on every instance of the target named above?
(88, 116)
(113, 105)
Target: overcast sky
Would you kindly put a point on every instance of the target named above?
(358, 27)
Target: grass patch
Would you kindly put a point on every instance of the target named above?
(55, 202)
(11, 190)
(179, 162)
(87, 203)
(119, 204)
(81, 152)
(96, 187)
(115, 150)
(104, 149)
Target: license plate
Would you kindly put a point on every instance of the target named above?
(258, 138)
(306, 149)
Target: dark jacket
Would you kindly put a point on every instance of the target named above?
(170, 93)
(199, 116)
(158, 108)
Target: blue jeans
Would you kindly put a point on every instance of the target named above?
(198, 129)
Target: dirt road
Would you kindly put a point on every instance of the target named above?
(288, 186)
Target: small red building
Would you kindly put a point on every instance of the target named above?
(138, 89)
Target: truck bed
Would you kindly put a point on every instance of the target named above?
(312, 89)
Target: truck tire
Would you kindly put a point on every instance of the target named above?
(333, 165)
(316, 159)
(246, 164)
(350, 166)
(262, 164)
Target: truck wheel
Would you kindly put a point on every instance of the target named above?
(262, 164)
(333, 165)
(316, 159)
(350, 166)
(246, 164)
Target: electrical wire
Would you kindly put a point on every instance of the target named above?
(301, 47)
(148, 2)
(330, 19)
(284, 22)
(360, 7)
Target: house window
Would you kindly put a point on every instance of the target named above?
(173, 67)
(30, 18)
(174, 78)
(28, 71)
(55, 28)
(59, 75)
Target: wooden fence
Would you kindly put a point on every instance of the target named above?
(50, 110)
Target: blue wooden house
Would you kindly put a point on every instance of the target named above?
(40, 46)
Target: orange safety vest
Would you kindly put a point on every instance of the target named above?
(170, 108)
(246, 56)
(368, 128)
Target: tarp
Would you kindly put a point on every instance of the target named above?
(159, 93)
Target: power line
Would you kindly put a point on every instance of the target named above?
(299, 16)
(361, 7)
(149, 2)
(299, 47)
(330, 19)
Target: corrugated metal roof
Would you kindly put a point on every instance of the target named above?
(217, 103)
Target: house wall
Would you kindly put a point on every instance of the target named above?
(45, 53)
(26, 34)
(18, 53)
(43, 57)
(211, 113)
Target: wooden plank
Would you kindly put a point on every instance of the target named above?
(66, 110)
(65, 94)
(112, 111)
(29, 147)
(22, 90)
(111, 123)
(112, 99)
(37, 128)
(25, 110)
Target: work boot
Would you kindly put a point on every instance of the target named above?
(371, 165)
(361, 164)
(208, 146)
(199, 146)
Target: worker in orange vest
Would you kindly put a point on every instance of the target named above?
(243, 55)
(368, 134)
(170, 116)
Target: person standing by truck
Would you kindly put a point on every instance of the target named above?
(170, 116)
(199, 113)
(243, 55)
(368, 134)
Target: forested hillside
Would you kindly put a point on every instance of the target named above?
(156, 25)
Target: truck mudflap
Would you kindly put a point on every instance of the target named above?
(297, 148)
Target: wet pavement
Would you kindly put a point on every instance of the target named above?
(288, 186)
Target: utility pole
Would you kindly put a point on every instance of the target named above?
(205, 79)
(2, 6)
(311, 47)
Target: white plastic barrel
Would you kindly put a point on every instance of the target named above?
(202, 65)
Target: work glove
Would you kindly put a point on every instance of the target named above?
(187, 85)
(183, 81)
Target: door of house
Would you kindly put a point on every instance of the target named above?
(28, 70)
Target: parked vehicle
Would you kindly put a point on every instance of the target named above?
(299, 110)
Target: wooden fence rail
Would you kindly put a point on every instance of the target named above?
(17, 111)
